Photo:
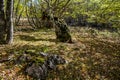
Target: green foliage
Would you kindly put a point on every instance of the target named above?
(101, 11)
(107, 11)
(45, 49)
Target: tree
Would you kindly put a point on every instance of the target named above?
(61, 29)
(18, 11)
(46, 13)
(36, 8)
(96, 13)
(2, 22)
(6, 22)
(9, 21)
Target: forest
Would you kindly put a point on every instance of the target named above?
(59, 39)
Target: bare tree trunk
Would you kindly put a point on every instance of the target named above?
(9, 21)
(2, 22)
(62, 31)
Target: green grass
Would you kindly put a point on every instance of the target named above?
(94, 55)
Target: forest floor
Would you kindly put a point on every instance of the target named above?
(94, 55)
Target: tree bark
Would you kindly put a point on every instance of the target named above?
(2, 22)
(9, 21)
(62, 31)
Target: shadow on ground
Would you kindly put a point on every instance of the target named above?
(97, 60)
(32, 38)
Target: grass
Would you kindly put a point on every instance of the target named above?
(94, 55)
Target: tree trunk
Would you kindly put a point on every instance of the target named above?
(62, 31)
(9, 21)
(2, 22)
